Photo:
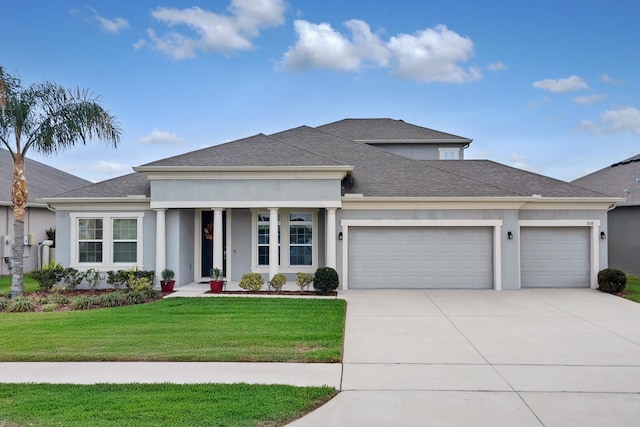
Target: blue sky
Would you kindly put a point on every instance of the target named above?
(548, 86)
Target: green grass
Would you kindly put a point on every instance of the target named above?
(181, 329)
(156, 404)
(633, 287)
(29, 284)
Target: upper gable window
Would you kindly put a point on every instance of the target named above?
(449, 153)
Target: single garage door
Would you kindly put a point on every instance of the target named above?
(421, 257)
(554, 257)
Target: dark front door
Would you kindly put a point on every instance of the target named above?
(206, 231)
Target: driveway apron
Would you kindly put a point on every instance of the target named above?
(544, 357)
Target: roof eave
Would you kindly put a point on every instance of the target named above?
(329, 168)
(417, 141)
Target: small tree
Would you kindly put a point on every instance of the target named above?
(303, 280)
(47, 118)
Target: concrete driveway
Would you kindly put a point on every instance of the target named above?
(545, 357)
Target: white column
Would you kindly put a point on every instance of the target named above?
(330, 259)
(217, 239)
(273, 242)
(161, 242)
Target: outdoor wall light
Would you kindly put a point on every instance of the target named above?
(603, 235)
(340, 235)
(509, 235)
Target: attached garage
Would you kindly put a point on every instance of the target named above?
(421, 257)
(555, 257)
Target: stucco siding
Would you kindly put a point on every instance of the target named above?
(624, 239)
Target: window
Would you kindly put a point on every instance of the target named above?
(297, 246)
(125, 245)
(300, 238)
(263, 238)
(90, 240)
(449, 153)
(106, 240)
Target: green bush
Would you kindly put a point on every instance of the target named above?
(92, 277)
(303, 280)
(48, 276)
(21, 304)
(72, 278)
(252, 282)
(112, 299)
(50, 307)
(4, 302)
(611, 280)
(325, 280)
(278, 281)
(82, 302)
(117, 279)
(57, 298)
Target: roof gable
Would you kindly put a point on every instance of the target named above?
(388, 130)
(621, 179)
(43, 180)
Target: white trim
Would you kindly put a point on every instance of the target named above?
(495, 223)
(161, 242)
(197, 245)
(243, 173)
(330, 238)
(285, 266)
(594, 243)
(100, 205)
(230, 204)
(107, 240)
(455, 150)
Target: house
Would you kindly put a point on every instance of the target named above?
(43, 181)
(384, 202)
(621, 179)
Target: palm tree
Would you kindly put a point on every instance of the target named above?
(45, 118)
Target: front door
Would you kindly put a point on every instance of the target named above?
(206, 238)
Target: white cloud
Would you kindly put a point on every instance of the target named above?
(569, 84)
(626, 119)
(607, 79)
(215, 32)
(429, 55)
(113, 26)
(139, 44)
(518, 160)
(589, 99)
(319, 45)
(496, 66)
(161, 137)
(103, 166)
(433, 55)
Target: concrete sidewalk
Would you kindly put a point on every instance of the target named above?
(298, 374)
(485, 358)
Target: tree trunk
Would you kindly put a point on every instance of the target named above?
(19, 194)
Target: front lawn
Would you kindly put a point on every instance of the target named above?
(156, 404)
(181, 329)
(29, 284)
(633, 288)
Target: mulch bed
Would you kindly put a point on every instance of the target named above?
(283, 293)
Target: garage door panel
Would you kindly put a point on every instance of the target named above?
(554, 257)
(421, 257)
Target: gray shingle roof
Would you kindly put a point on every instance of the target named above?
(387, 130)
(619, 180)
(43, 180)
(522, 182)
(258, 150)
(128, 185)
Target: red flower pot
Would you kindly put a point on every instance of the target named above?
(216, 286)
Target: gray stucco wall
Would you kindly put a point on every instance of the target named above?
(240, 243)
(624, 239)
(179, 244)
(231, 190)
(418, 151)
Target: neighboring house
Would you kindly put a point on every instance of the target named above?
(621, 179)
(43, 181)
(349, 195)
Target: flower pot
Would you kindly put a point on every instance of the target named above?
(216, 286)
(167, 286)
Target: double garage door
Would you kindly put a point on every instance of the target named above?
(462, 257)
(421, 257)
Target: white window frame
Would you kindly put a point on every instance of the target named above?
(283, 220)
(107, 240)
(445, 151)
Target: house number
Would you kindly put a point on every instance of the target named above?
(589, 222)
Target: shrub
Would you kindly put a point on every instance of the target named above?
(117, 279)
(92, 277)
(138, 282)
(136, 296)
(611, 280)
(48, 276)
(303, 280)
(252, 282)
(167, 274)
(50, 307)
(325, 280)
(57, 298)
(112, 299)
(278, 281)
(72, 278)
(82, 302)
(21, 304)
(4, 302)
